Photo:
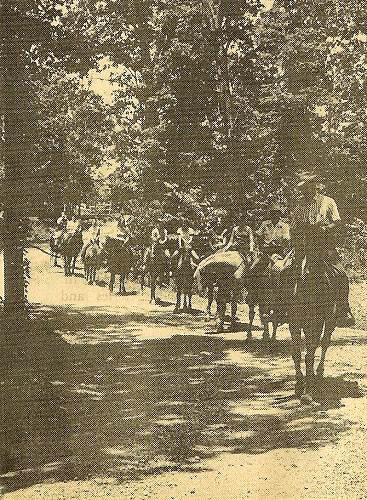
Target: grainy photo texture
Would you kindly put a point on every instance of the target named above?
(183, 249)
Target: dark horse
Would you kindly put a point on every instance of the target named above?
(266, 289)
(156, 266)
(184, 279)
(119, 262)
(312, 309)
(70, 248)
(54, 249)
(229, 272)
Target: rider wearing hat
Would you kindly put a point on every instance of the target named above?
(316, 221)
(92, 237)
(241, 237)
(273, 235)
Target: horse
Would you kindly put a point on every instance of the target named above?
(70, 247)
(312, 309)
(119, 262)
(55, 242)
(184, 279)
(266, 289)
(92, 260)
(229, 272)
(156, 266)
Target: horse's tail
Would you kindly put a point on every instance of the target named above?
(199, 279)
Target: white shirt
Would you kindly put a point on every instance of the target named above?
(320, 210)
(72, 226)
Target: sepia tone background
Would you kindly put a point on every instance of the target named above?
(152, 108)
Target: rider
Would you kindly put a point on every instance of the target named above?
(273, 235)
(159, 236)
(316, 222)
(93, 237)
(60, 228)
(186, 236)
(241, 238)
(73, 227)
(62, 221)
(273, 238)
(218, 232)
(123, 229)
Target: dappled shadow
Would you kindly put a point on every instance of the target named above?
(127, 407)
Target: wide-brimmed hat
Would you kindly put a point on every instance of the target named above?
(305, 178)
(275, 208)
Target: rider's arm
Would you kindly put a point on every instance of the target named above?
(251, 240)
(334, 216)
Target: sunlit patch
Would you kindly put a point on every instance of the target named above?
(213, 449)
(196, 381)
(57, 382)
(116, 452)
(247, 408)
(240, 434)
(168, 420)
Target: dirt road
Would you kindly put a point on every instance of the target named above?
(137, 403)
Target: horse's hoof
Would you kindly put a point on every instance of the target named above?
(220, 327)
(153, 302)
(176, 310)
(306, 399)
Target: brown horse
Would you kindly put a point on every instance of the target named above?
(156, 265)
(119, 261)
(229, 271)
(184, 279)
(312, 309)
(70, 247)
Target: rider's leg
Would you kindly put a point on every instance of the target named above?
(344, 313)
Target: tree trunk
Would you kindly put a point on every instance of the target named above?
(14, 110)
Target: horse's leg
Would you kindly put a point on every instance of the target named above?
(265, 318)
(66, 266)
(295, 331)
(251, 317)
(325, 342)
(153, 286)
(275, 323)
(190, 300)
(210, 301)
(221, 308)
(312, 336)
(122, 283)
(184, 308)
(72, 263)
(233, 314)
(112, 282)
(178, 301)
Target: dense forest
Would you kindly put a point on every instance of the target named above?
(204, 103)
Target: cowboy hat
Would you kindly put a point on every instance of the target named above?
(275, 207)
(307, 178)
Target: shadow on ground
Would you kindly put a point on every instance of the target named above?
(113, 405)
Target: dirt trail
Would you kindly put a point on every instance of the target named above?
(146, 404)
